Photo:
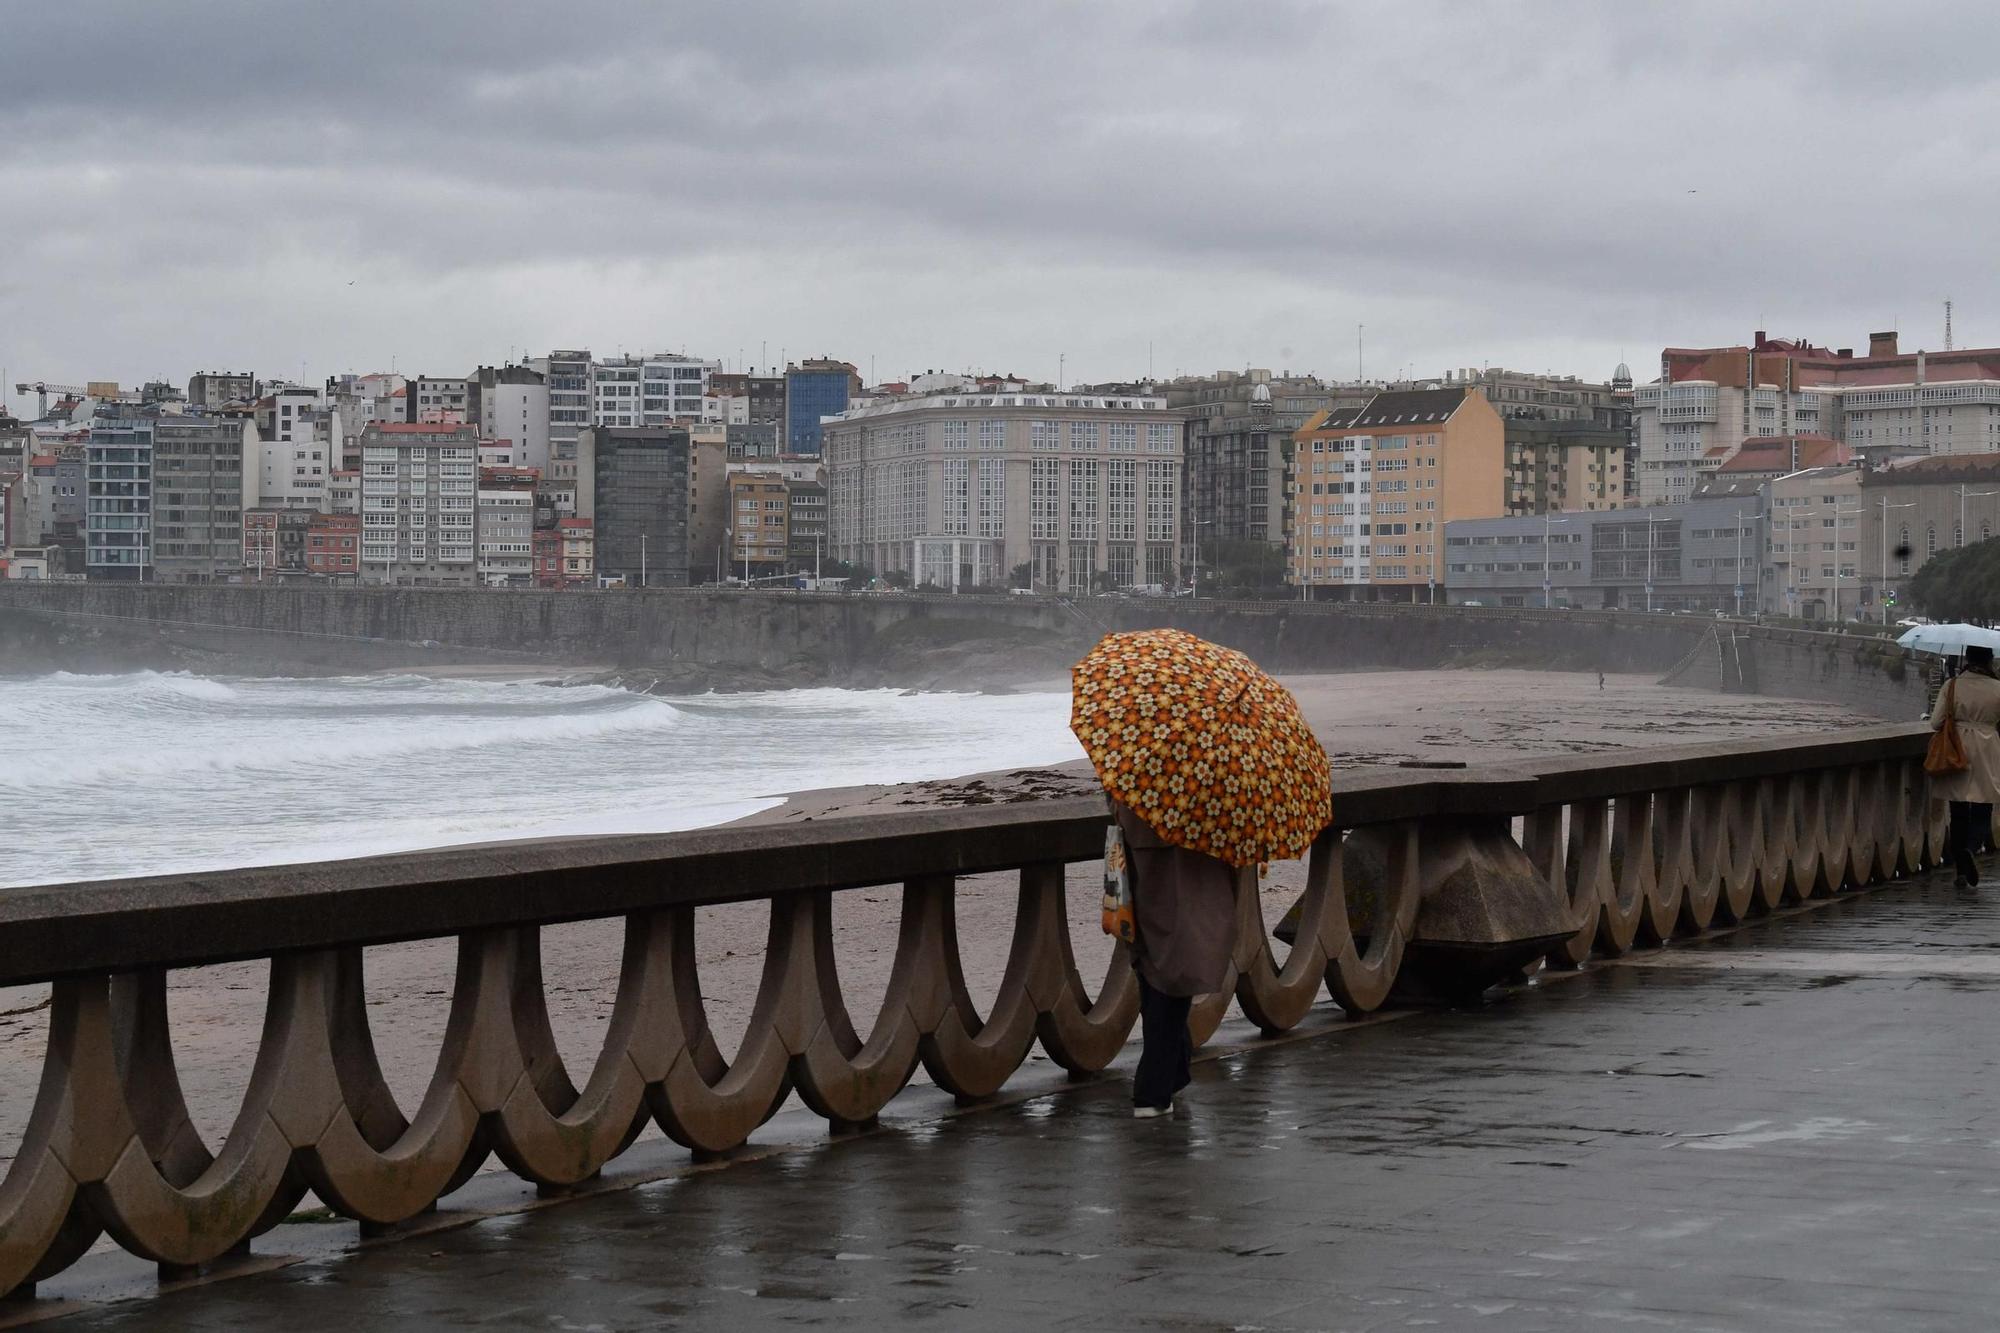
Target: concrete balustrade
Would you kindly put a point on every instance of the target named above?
(1463, 869)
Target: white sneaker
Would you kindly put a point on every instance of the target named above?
(1151, 1112)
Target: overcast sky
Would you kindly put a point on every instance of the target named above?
(321, 187)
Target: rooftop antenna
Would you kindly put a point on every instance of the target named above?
(1358, 373)
(1947, 326)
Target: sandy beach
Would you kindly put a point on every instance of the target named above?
(1363, 718)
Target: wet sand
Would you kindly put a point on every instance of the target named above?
(1474, 716)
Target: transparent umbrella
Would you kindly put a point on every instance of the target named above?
(1950, 640)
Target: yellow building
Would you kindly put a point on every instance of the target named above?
(759, 506)
(1557, 466)
(1372, 489)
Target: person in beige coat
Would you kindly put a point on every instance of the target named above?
(1973, 698)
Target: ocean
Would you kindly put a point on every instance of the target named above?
(147, 773)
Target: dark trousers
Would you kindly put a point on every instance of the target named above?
(1971, 831)
(1168, 1053)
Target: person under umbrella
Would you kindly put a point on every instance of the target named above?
(1209, 767)
(1972, 700)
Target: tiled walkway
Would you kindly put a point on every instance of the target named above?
(1793, 1127)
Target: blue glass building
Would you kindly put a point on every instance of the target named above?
(820, 390)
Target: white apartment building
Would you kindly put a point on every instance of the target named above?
(959, 490)
(1707, 401)
(362, 400)
(506, 527)
(419, 504)
(518, 414)
(343, 492)
(1686, 430)
(568, 378)
(299, 441)
(432, 400)
(650, 390)
(1922, 416)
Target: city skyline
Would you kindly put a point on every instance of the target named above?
(1193, 187)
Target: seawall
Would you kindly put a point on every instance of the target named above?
(699, 638)
(1862, 672)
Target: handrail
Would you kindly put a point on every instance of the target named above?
(180, 920)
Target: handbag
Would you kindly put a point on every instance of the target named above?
(1946, 754)
(1119, 921)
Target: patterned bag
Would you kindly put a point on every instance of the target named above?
(1119, 922)
(1947, 751)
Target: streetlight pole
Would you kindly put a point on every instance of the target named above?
(1548, 602)
(1882, 595)
(1649, 559)
(1963, 491)
(1199, 524)
(642, 559)
(1739, 564)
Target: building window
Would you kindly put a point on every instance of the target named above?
(1083, 491)
(957, 494)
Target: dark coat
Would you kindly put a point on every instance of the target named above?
(1185, 903)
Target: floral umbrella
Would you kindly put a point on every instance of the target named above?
(1202, 745)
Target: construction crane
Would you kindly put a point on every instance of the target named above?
(42, 389)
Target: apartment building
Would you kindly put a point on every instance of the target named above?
(1372, 489)
(164, 498)
(959, 490)
(511, 403)
(569, 377)
(51, 502)
(635, 489)
(299, 443)
(506, 527)
(208, 389)
(1237, 449)
(333, 545)
(1708, 401)
(1846, 538)
(439, 401)
(1701, 555)
(1554, 465)
(759, 524)
(419, 501)
(276, 543)
(655, 390)
(814, 390)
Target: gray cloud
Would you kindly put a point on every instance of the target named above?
(1536, 184)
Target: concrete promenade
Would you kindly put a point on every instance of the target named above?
(1794, 1126)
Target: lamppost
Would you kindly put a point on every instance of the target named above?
(1198, 525)
(1838, 514)
(1963, 492)
(1548, 522)
(1739, 564)
(1882, 593)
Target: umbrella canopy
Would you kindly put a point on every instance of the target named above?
(1202, 745)
(1950, 640)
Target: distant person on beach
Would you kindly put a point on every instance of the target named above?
(1600, 678)
(1185, 904)
(1972, 699)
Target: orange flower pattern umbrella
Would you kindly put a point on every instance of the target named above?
(1202, 745)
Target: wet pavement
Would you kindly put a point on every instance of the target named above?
(1791, 1127)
